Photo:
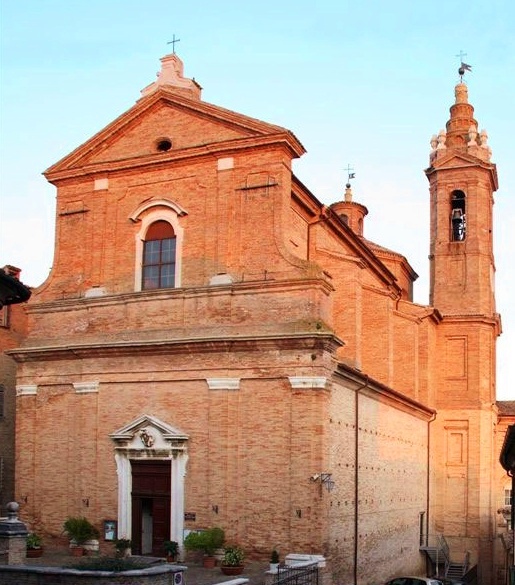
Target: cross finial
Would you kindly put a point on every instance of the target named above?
(172, 42)
(463, 66)
(461, 54)
(350, 174)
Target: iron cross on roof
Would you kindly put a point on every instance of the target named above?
(350, 173)
(172, 42)
(463, 66)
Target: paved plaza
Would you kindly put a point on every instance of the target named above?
(194, 575)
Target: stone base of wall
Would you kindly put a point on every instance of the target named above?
(163, 574)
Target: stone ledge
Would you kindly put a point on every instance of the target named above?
(163, 574)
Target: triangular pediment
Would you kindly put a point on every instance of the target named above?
(148, 432)
(190, 125)
(462, 160)
(459, 159)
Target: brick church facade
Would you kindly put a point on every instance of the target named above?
(216, 347)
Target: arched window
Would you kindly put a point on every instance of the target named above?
(458, 216)
(159, 253)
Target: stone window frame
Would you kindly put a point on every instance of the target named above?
(147, 214)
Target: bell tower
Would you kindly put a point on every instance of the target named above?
(462, 180)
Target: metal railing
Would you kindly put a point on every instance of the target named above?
(466, 562)
(443, 548)
(438, 550)
(300, 574)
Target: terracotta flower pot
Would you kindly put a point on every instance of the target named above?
(232, 570)
(77, 551)
(34, 553)
(208, 562)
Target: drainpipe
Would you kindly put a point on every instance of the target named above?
(428, 479)
(356, 475)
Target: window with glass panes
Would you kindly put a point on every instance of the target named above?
(159, 256)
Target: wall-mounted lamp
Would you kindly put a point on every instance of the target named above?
(324, 479)
(85, 502)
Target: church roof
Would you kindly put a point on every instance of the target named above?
(382, 251)
(506, 407)
(12, 291)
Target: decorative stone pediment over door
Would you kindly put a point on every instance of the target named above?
(147, 437)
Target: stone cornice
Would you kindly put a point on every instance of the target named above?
(247, 287)
(490, 320)
(292, 341)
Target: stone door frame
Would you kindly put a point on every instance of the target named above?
(149, 438)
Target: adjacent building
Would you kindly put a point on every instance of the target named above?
(13, 329)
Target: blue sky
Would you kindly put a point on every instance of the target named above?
(364, 83)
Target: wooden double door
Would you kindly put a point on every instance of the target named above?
(151, 494)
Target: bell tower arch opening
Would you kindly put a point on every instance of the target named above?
(458, 216)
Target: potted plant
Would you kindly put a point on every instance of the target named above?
(232, 563)
(172, 550)
(123, 547)
(206, 541)
(79, 531)
(34, 545)
(274, 560)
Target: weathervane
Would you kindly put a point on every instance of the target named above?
(350, 175)
(172, 42)
(463, 66)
